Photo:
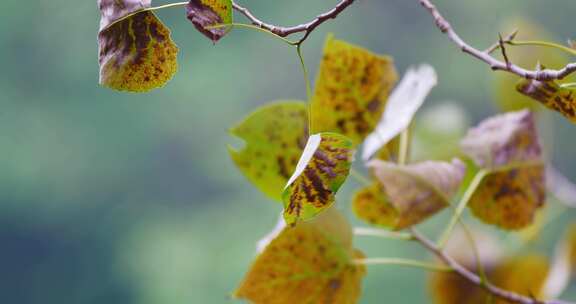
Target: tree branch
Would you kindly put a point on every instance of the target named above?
(495, 64)
(306, 28)
(474, 278)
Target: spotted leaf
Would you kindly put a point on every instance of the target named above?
(274, 137)
(321, 170)
(507, 147)
(136, 52)
(402, 105)
(351, 90)
(407, 195)
(206, 13)
(309, 263)
(550, 94)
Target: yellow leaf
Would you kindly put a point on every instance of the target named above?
(311, 262)
(407, 195)
(136, 52)
(321, 170)
(205, 13)
(274, 137)
(550, 94)
(351, 90)
(507, 147)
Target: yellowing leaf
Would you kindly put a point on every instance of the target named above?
(407, 195)
(321, 170)
(402, 105)
(275, 136)
(351, 90)
(550, 94)
(507, 147)
(205, 13)
(511, 275)
(311, 262)
(136, 52)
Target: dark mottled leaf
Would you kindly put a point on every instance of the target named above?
(321, 170)
(275, 136)
(205, 13)
(507, 147)
(550, 94)
(136, 52)
(309, 263)
(401, 107)
(407, 195)
(351, 90)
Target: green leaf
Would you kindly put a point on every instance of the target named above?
(402, 105)
(407, 195)
(275, 136)
(136, 52)
(507, 146)
(205, 13)
(551, 95)
(309, 263)
(321, 170)
(351, 90)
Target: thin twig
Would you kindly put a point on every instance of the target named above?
(306, 28)
(403, 262)
(474, 278)
(495, 64)
(362, 231)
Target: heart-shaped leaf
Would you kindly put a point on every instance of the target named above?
(309, 263)
(402, 105)
(206, 13)
(407, 195)
(321, 170)
(351, 90)
(275, 136)
(551, 95)
(507, 147)
(136, 52)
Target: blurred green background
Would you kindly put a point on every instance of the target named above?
(109, 197)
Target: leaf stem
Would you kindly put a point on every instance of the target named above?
(544, 44)
(404, 146)
(252, 27)
(461, 206)
(308, 86)
(568, 85)
(362, 231)
(403, 262)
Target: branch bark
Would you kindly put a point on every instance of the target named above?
(306, 28)
(485, 56)
(474, 278)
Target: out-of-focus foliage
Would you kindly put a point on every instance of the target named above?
(407, 195)
(309, 263)
(351, 90)
(508, 148)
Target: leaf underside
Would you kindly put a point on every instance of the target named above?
(407, 195)
(507, 147)
(205, 13)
